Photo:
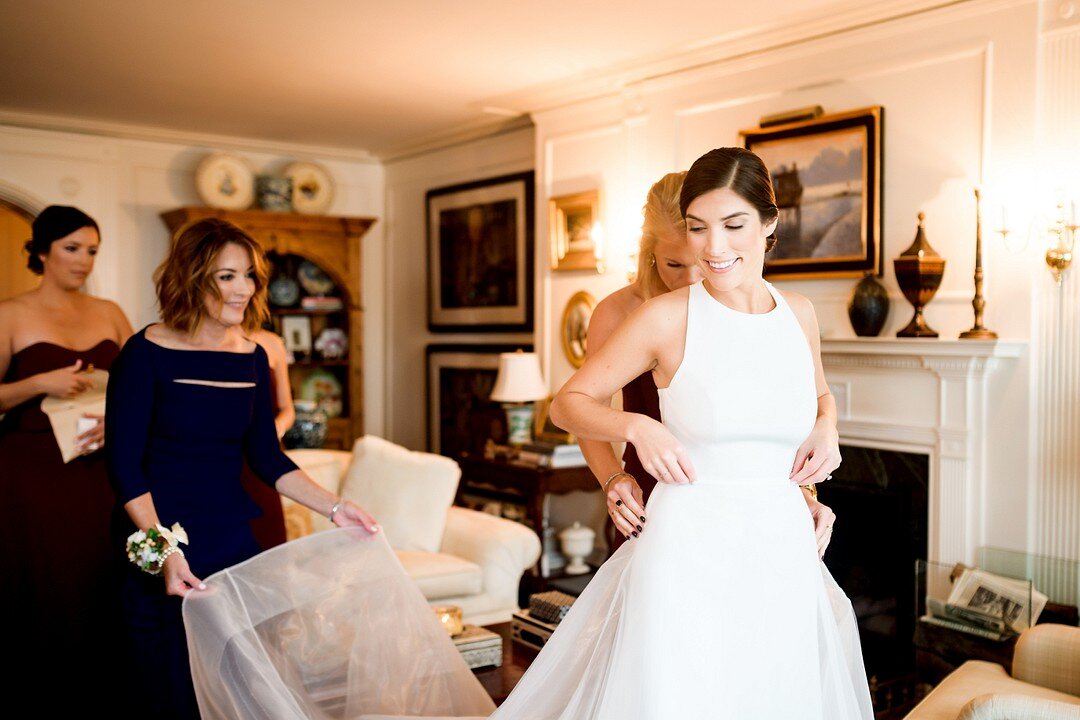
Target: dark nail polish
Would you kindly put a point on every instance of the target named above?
(639, 528)
(642, 518)
(634, 533)
(618, 503)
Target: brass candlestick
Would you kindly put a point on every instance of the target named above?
(918, 272)
(978, 331)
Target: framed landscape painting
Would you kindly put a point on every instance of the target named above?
(480, 255)
(826, 173)
(461, 414)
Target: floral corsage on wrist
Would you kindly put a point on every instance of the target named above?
(148, 549)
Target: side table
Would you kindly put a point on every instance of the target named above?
(524, 485)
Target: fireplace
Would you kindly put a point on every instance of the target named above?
(881, 502)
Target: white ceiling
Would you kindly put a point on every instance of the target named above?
(357, 74)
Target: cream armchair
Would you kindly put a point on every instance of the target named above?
(456, 556)
(1045, 683)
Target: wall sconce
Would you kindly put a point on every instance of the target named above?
(1062, 239)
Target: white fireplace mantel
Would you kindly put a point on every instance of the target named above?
(927, 396)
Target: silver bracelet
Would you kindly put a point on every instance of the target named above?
(333, 510)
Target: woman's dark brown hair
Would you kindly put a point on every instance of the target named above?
(51, 224)
(187, 275)
(738, 169)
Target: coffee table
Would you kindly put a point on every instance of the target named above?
(499, 681)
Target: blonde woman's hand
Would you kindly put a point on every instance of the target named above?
(626, 505)
(660, 453)
(66, 382)
(824, 518)
(349, 514)
(818, 455)
(179, 580)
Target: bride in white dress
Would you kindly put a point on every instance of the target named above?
(721, 607)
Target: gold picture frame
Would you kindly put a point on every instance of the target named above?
(575, 326)
(826, 172)
(572, 223)
(544, 430)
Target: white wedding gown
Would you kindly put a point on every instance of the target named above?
(720, 609)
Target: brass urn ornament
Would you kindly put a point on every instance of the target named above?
(918, 272)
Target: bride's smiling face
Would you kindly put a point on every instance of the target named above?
(727, 237)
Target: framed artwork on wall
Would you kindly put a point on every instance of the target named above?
(575, 326)
(572, 221)
(461, 417)
(826, 173)
(480, 255)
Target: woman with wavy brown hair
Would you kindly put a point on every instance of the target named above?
(189, 400)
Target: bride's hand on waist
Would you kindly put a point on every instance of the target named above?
(626, 505)
(660, 453)
(818, 455)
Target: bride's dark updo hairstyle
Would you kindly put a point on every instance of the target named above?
(738, 169)
(51, 224)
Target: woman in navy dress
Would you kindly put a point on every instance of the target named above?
(55, 547)
(188, 401)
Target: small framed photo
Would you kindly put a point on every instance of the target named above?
(547, 431)
(461, 415)
(826, 173)
(574, 231)
(480, 250)
(296, 332)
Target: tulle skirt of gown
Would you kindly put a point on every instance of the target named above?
(720, 609)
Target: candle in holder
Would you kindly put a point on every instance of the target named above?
(450, 618)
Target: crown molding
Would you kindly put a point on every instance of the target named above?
(148, 133)
(788, 31)
(458, 135)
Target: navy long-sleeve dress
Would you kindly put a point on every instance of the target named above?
(184, 441)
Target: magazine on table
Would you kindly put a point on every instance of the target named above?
(993, 603)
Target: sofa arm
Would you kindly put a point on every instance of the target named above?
(325, 467)
(1004, 706)
(1049, 655)
(503, 549)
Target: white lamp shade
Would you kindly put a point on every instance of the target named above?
(519, 378)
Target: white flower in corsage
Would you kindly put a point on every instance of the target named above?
(148, 549)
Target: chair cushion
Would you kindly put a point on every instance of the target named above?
(441, 576)
(974, 678)
(408, 492)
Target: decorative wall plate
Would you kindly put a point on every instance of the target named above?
(325, 389)
(313, 279)
(225, 181)
(313, 188)
(283, 291)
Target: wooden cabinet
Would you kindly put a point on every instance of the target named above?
(333, 244)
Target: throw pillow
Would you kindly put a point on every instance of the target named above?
(408, 492)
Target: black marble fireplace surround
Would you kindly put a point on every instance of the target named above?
(880, 500)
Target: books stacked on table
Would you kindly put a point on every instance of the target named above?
(988, 605)
(530, 631)
(479, 647)
(318, 302)
(552, 455)
(551, 606)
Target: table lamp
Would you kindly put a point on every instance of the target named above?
(518, 384)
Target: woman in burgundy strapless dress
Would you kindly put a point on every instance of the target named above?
(58, 562)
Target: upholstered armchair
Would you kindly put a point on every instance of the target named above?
(1044, 685)
(456, 556)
